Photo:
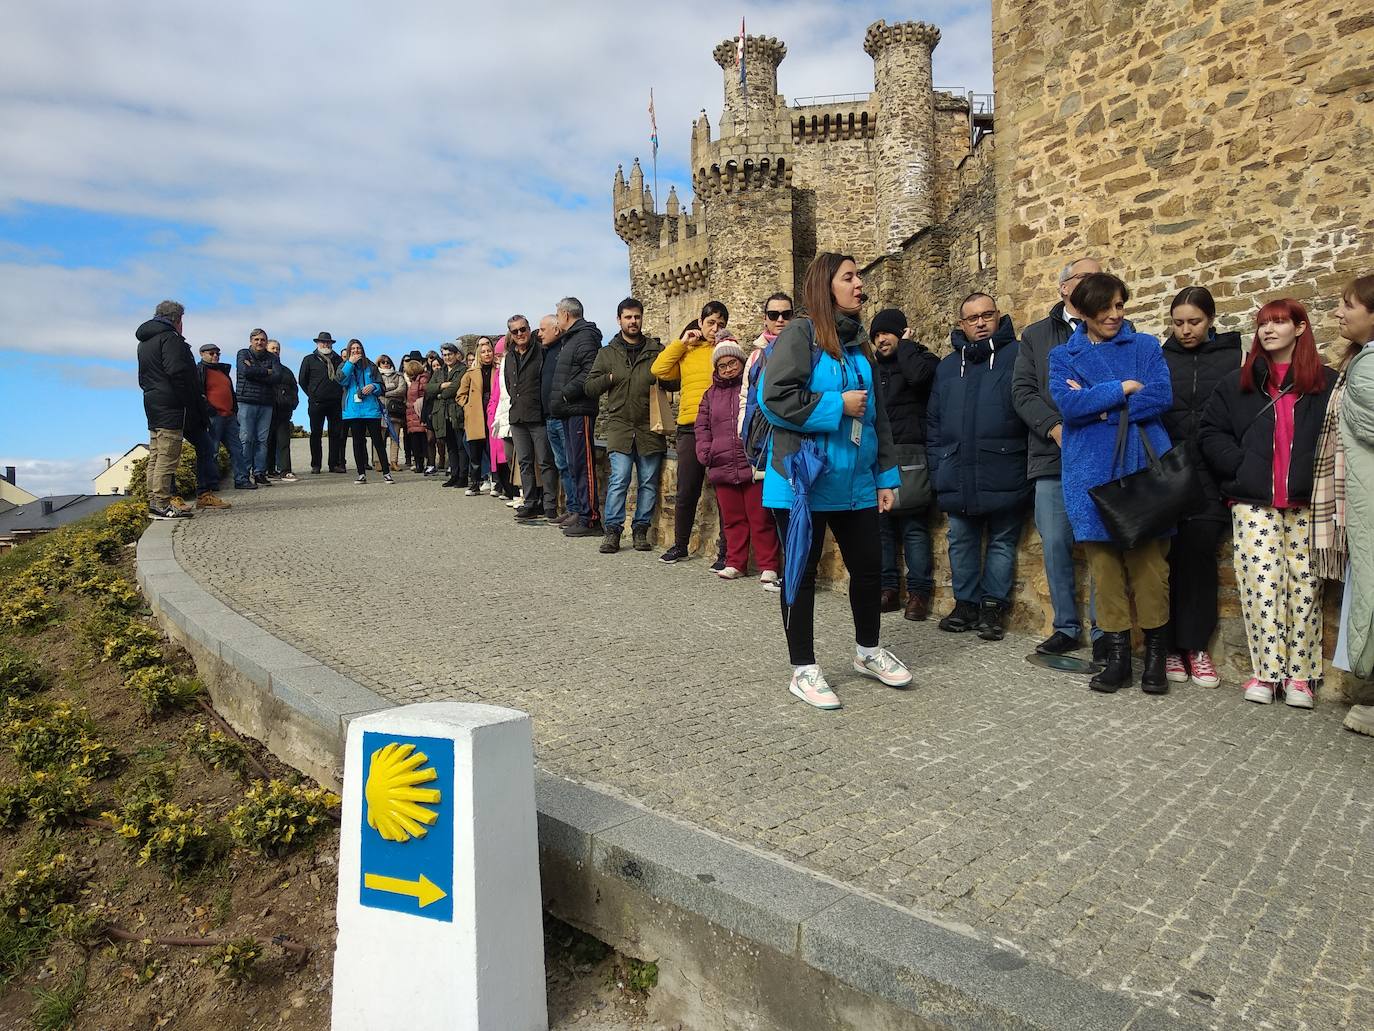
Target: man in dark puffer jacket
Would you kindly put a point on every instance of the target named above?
(172, 400)
(256, 373)
(581, 344)
(977, 450)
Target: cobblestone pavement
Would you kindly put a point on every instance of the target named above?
(1196, 850)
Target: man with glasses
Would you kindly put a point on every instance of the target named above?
(1031, 395)
(222, 404)
(324, 402)
(976, 449)
(279, 434)
(523, 373)
(256, 374)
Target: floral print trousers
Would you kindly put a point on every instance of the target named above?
(1280, 595)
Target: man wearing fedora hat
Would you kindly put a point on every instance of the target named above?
(324, 397)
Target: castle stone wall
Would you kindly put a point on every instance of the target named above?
(1229, 144)
(837, 175)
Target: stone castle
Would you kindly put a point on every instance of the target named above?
(1227, 143)
(860, 174)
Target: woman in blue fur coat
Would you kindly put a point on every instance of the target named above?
(1103, 367)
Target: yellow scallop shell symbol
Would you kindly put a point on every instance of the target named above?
(394, 808)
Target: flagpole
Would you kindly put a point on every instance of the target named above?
(653, 121)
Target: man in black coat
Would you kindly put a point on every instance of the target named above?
(1031, 395)
(581, 343)
(324, 402)
(173, 402)
(523, 372)
(287, 398)
(255, 375)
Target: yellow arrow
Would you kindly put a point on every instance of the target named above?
(425, 890)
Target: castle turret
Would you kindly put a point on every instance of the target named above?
(905, 166)
(753, 104)
(632, 207)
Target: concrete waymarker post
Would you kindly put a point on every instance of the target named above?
(439, 907)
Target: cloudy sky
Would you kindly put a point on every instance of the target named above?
(402, 173)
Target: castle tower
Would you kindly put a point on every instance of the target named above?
(639, 225)
(756, 103)
(905, 166)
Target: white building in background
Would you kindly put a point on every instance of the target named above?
(12, 493)
(115, 478)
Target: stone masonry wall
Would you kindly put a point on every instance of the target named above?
(1186, 141)
(834, 177)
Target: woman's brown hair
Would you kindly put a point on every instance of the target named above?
(819, 300)
(1361, 292)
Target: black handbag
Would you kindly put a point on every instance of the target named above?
(913, 494)
(1146, 504)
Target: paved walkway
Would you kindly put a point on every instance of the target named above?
(1197, 850)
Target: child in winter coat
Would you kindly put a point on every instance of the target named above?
(739, 488)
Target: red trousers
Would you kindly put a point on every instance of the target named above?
(742, 512)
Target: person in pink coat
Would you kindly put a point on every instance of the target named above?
(739, 490)
(498, 429)
(419, 439)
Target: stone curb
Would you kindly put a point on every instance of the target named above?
(941, 974)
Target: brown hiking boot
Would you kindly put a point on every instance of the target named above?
(888, 601)
(179, 504)
(208, 500)
(917, 607)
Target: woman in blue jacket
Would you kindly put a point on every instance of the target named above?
(362, 407)
(1104, 367)
(820, 383)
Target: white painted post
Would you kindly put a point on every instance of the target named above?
(439, 907)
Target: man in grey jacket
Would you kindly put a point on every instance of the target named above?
(1031, 398)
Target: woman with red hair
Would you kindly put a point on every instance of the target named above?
(1259, 437)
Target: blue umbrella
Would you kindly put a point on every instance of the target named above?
(803, 466)
(390, 426)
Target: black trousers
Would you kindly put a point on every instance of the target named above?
(475, 449)
(457, 453)
(332, 411)
(1193, 583)
(861, 547)
(362, 430)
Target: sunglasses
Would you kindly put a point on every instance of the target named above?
(521, 329)
(774, 316)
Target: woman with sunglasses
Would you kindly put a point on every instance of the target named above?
(362, 407)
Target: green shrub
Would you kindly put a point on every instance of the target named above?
(51, 798)
(139, 656)
(127, 519)
(216, 749)
(110, 634)
(174, 837)
(58, 736)
(29, 894)
(20, 676)
(28, 608)
(235, 959)
(276, 818)
(159, 689)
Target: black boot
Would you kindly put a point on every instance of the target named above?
(1153, 679)
(641, 539)
(1118, 673)
(992, 622)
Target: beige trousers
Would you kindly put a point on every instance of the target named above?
(1143, 571)
(1280, 595)
(165, 452)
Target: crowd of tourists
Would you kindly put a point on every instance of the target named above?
(1143, 453)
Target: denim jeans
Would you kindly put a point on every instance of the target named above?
(1056, 542)
(979, 576)
(913, 529)
(558, 444)
(254, 422)
(584, 500)
(224, 429)
(646, 469)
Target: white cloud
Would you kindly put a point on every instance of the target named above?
(44, 477)
(318, 146)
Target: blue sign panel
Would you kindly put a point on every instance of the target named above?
(407, 831)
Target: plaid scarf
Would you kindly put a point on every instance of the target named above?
(1328, 492)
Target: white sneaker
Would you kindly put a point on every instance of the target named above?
(729, 573)
(885, 667)
(808, 685)
(769, 581)
(486, 486)
(1257, 690)
(512, 502)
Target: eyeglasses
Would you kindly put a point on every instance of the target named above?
(776, 316)
(210, 350)
(521, 329)
(980, 316)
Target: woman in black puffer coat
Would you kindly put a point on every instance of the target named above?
(1198, 358)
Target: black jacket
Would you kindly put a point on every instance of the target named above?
(976, 445)
(172, 395)
(317, 380)
(228, 371)
(905, 378)
(287, 397)
(1196, 373)
(581, 343)
(550, 366)
(1237, 437)
(255, 377)
(523, 377)
(1031, 393)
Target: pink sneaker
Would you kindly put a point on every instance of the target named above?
(808, 685)
(1298, 694)
(1204, 672)
(1257, 690)
(1174, 670)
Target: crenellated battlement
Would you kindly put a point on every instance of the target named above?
(632, 206)
(881, 35)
